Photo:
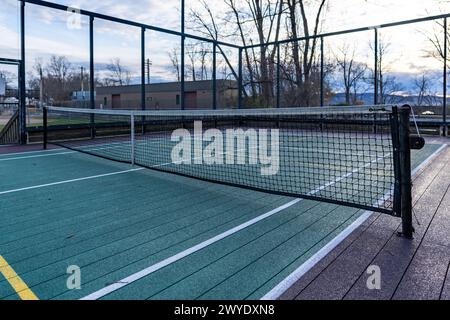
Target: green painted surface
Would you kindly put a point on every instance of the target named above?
(11, 293)
(115, 226)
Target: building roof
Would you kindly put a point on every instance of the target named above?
(167, 87)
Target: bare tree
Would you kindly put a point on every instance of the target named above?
(387, 83)
(58, 72)
(8, 76)
(56, 80)
(174, 59)
(436, 38)
(351, 71)
(52, 78)
(118, 74)
(423, 85)
(39, 68)
(59, 68)
(191, 55)
(266, 16)
(254, 23)
(300, 26)
(204, 61)
(208, 25)
(263, 17)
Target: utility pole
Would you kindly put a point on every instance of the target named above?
(148, 64)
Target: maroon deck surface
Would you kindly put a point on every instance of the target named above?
(417, 269)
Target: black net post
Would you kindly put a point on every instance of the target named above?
(405, 171)
(45, 124)
(396, 161)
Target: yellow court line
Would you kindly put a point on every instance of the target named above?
(16, 282)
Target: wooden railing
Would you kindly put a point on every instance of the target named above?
(10, 133)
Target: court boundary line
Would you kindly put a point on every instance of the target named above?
(295, 276)
(70, 181)
(28, 152)
(155, 267)
(37, 156)
(15, 281)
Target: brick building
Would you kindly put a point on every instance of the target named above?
(198, 95)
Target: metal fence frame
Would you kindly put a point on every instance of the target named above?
(323, 36)
(216, 45)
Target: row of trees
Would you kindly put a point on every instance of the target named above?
(10, 79)
(58, 78)
(257, 22)
(343, 71)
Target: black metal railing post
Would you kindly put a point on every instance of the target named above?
(143, 85)
(214, 75)
(278, 76)
(22, 80)
(91, 74)
(45, 124)
(376, 68)
(444, 114)
(240, 86)
(322, 73)
(183, 57)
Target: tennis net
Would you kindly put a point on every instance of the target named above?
(349, 156)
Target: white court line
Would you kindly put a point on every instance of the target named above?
(284, 285)
(38, 156)
(70, 181)
(145, 272)
(28, 152)
(290, 280)
(153, 268)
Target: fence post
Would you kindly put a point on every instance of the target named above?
(45, 124)
(214, 84)
(376, 68)
(278, 76)
(405, 171)
(183, 40)
(133, 139)
(322, 72)
(143, 85)
(91, 75)
(22, 80)
(143, 106)
(240, 86)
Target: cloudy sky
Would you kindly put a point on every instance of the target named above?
(47, 31)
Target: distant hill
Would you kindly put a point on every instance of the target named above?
(400, 98)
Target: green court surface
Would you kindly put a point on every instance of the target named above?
(140, 234)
